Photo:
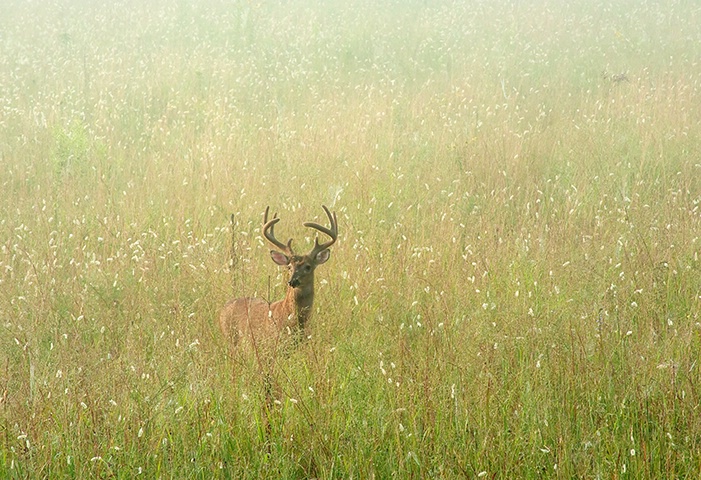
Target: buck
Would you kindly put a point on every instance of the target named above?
(258, 320)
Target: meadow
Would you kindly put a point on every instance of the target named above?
(516, 287)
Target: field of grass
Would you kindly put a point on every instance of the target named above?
(516, 289)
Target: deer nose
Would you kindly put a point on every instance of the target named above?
(294, 282)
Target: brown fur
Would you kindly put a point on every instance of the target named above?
(262, 324)
(257, 321)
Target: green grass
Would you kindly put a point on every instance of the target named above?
(515, 290)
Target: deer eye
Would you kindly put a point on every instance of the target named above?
(307, 268)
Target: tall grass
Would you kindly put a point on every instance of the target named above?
(515, 290)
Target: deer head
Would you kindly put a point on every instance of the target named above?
(301, 266)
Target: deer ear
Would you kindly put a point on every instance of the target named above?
(322, 256)
(279, 258)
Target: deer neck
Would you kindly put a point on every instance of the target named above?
(297, 304)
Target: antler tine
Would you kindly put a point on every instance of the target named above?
(269, 232)
(331, 232)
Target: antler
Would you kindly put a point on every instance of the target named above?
(269, 232)
(331, 232)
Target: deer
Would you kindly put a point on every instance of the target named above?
(260, 321)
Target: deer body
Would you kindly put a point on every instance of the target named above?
(260, 322)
